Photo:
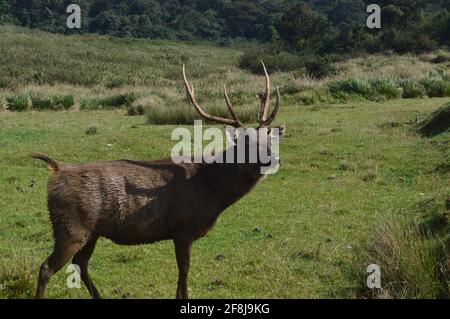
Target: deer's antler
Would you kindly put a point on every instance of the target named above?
(264, 121)
(190, 91)
(265, 105)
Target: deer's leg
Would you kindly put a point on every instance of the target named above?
(183, 253)
(62, 253)
(81, 259)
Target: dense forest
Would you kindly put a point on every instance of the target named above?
(288, 28)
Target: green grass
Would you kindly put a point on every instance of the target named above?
(293, 236)
(347, 166)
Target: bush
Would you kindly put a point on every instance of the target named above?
(180, 115)
(134, 110)
(413, 265)
(118, 100)
(19, 103)
(386, 88)
(290, 89)
(54, 103)
(308, 97)
(319, 68)
(41, 103)
(435, 87)
(275, 62)
(109, 102)
(139, 106)
(344, 88)
(411, 89)
(66, 101)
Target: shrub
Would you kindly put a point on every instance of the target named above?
(386, 88)
(181, 115)
(134, 110)
(308, 97)
(434, 87)
(411, 88)
(413, 265)
(41, 103)
(118, 100)
(66, 101)
(319, 67)
(139, 106)
(343, 88)
(290, 89)
(54, 103)
(109, 102)
(19, 103)
(275, 62)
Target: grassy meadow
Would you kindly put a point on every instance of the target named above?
(351, 164)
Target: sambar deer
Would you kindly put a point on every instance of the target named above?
(140, 202)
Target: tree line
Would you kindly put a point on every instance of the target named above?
(300, 27)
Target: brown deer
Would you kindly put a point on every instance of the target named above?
(141, 202)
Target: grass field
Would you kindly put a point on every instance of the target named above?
(348, 168)
(291, 237)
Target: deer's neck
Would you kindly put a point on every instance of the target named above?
(227, 183)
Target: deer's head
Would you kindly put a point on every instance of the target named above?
(261, 138)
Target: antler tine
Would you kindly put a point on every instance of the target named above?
(191, 95)
(275, 110)
(266, 102)
(231, 108)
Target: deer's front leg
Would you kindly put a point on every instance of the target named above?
(183, 253)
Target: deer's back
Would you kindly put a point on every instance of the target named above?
(129, 202)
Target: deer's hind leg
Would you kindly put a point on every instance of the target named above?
(82, 260)
(67, 244)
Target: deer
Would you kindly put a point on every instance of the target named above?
(143, 202)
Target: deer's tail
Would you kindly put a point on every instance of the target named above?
(52, 164)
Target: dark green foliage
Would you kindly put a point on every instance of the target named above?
(55, 103)
(302, 28)
(276, 62)
(411, 88)
(435, 87)
(342, 88)
(309, 26)
(319, 67)
(134, 110)
(109, 102)
(437, 123)
(385, 88)
(19, 102)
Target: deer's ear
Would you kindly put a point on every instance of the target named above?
(230, 135)
(282, 129)
(279, 132)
